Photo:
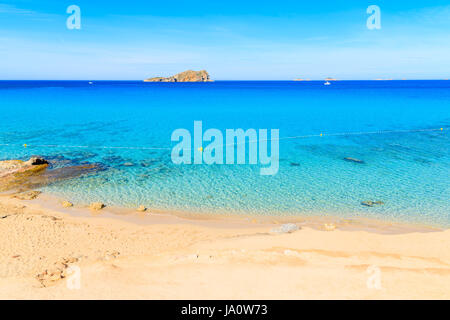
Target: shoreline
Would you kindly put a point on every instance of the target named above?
(158, 216)
(173, 257)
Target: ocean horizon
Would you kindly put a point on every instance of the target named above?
(398, 129)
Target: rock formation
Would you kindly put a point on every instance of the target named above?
(186, 76)
(14, 173)
(21, 176)
(11, 166)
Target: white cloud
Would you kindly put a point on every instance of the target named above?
(8, 9)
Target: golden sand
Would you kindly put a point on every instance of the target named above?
(170, 257)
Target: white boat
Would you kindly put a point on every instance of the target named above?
(90, 82)
(326, 83)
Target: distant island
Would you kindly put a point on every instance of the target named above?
(185, 76)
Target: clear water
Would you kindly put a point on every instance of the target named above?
(409, 172)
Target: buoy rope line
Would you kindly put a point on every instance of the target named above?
(230, 144)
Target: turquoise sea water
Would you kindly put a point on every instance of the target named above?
(408, 171)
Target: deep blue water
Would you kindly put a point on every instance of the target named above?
(408, 171)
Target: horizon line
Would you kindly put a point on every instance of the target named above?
(284, 80)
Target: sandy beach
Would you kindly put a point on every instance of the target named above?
(238, 150)
(169, 257)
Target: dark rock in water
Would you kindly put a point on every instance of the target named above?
(59, 161)
(36, 161)
(295, 164)
(349, 159)
(372, 203)
(73, 171)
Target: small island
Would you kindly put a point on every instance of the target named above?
(185, 76)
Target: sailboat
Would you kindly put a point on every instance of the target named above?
(326, 83)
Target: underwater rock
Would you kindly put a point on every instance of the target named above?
(285, 228)
(73, 171)
(114, 159)
(423, 161)
(371, 203)
(128, 164)
(150, 162)
(80, 156)
(349, 159)
(96, 206)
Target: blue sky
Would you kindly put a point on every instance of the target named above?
(233, 40)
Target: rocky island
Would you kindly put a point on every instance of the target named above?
(185, 76)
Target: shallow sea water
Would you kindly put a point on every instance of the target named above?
(408, 171)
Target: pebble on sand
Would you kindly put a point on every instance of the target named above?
(329, 227)
(286, 228)
(67, 204)
(141, 208)
(96, 206)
